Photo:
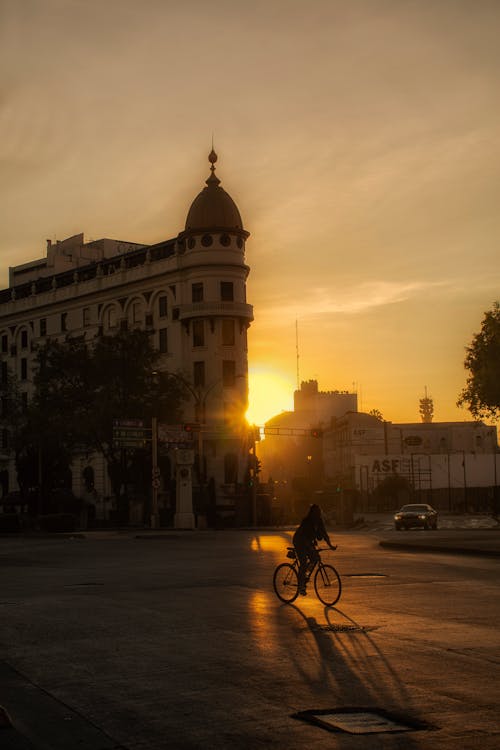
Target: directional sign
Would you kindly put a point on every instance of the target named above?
(173, 433)
(128, 423)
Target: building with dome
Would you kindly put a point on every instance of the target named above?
(189, 292)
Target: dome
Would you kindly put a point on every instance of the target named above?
(213, 208)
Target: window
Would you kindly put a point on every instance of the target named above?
(226, 291)
(64, 321)
(43, 326)
(4, 372)
(230, 468)
(162, 307)
(227, 332)
(198, 374)
(5, 343)
(136, 312)
(24, 368)
(197, 292)
(111, 317)
(228, 372)
(163, 340)
(86, 317)
(24, 339)
(24, 401)
(198, 333)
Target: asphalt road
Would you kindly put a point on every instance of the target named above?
(179, 642)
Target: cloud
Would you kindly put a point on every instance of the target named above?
(351, 301)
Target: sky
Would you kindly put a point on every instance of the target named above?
(360, 140)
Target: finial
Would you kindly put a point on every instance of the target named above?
(212, 158)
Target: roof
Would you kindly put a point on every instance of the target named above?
(213, 208)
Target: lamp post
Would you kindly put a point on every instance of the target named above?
(155, 474)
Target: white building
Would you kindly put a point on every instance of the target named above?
(189, 292)
(454, 464)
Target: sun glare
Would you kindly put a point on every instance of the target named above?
(270, 393)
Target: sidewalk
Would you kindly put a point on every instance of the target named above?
(451, 541)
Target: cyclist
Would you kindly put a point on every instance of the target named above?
(311, 529)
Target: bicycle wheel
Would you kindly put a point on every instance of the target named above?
(327, 585)
(286, 583)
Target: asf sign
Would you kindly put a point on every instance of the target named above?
(389, 466)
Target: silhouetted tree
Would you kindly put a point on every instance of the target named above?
(376, 413)
(81, 388)
(481, 394)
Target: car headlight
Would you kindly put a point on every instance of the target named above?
(422, 518)
(397, 516)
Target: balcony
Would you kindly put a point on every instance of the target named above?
(216, 310)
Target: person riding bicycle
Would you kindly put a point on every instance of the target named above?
(311, 529)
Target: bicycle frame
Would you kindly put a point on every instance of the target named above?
(310, 565)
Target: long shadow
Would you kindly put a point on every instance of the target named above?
(350, 669)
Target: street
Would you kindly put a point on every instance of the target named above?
(178, 641)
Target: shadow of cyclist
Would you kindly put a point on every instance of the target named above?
(342, 665)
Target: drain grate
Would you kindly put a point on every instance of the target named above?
(343, 628)
(84, 583)
(361, 721)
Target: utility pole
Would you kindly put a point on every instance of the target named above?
(155, 474)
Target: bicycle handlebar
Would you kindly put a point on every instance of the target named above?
(325, 549)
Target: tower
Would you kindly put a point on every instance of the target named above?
(215, 316)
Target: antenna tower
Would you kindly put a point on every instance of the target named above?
(297, 350)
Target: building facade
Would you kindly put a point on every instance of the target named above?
(455, 465)
(290, 448)
(188, 292)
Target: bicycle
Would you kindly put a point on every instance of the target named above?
(327, 583)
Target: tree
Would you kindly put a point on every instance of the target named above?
(81, 389)
(377, 414)
(481, 394)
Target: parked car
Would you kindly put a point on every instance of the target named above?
(420, 515)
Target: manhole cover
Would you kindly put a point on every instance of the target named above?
(85, 583)
(343, 628)
(361, 721)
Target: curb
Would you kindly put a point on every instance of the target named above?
(408, 547)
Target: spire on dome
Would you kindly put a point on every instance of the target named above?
(212, 158)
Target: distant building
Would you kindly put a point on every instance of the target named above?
(188, 292)
(289, 449)
(453, 463)
(312, 407)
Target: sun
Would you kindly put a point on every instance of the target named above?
(270, 393)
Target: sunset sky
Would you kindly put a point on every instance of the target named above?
(360, 140)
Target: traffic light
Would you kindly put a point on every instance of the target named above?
(316, 433)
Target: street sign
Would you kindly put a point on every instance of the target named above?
(174, 434)
(128, 423)
(130, 433)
